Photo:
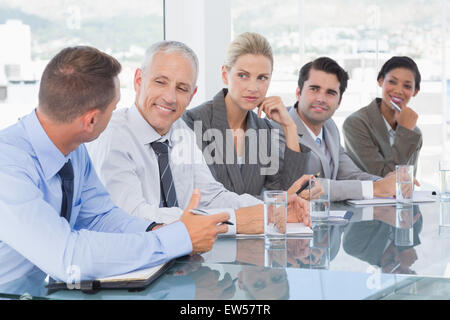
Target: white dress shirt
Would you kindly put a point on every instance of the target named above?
(391, 132)
(128, 167)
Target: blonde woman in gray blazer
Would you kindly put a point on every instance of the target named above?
(378, 137)
(240, 147)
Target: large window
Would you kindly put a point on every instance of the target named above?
(31, 32)
(361, 36)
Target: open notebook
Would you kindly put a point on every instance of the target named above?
(130, 281)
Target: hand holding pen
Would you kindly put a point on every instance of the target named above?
(405, 116)
(307, 184)
(301, 186)
(205, 213)
(203, 231)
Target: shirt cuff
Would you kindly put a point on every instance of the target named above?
(231, 228)
(367, 189)
(175, 236)
(367, 214)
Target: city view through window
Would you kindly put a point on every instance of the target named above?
(32, 32)
(361, 35)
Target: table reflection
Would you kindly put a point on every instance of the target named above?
(388, 240)
(263, 283)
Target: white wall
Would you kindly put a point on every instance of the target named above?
(205, 26)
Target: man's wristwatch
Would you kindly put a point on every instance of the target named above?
(153, 225)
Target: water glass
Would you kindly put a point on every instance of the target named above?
(444, 171)
(319, 257)
(319, 199)
(404, 219)
(275, 218)
(444, 217)
(276, 256)
(404, 183)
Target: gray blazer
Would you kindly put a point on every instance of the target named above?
(345, 174)
(248, 178)
(367, 141)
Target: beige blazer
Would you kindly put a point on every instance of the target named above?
(367, 141)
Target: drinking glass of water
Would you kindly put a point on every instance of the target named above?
(275, 218)
(319, 199)
(404, 183)
(444, 170)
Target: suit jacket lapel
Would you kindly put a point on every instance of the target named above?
(220, 121)
(306, 139)
(380, 130)
(333, 145)
(250, 171)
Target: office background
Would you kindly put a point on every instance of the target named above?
(361, 35)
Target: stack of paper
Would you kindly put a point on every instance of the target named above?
(418, 197)
(298, 229)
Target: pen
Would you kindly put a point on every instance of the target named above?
(204, 213)
(396, 107)
(395, 267)
(306, 185)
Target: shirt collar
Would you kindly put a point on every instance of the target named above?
(388, 126)
(313, 135)
(48, 155)
(295, 111)
(145, 132)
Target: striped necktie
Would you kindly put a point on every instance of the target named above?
(168, 193)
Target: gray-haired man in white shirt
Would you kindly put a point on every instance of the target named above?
(124, 155)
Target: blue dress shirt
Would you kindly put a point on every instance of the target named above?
(100, 240)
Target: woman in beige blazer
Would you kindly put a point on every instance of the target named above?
(239, 146)
(378, 137)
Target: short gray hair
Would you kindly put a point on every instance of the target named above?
(169, 47)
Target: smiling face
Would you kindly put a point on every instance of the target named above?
(164, 89)
(319, 98)
(248, 80)
(399, 86)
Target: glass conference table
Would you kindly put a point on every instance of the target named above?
(380, 253)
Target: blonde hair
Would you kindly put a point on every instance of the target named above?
(247, 43)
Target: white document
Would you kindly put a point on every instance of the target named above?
(298, 229)
(418, 197)
(292, 228)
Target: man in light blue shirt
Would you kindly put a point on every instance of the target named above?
(78, 92)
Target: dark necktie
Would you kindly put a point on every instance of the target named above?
(66, 175)
(168, 193)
